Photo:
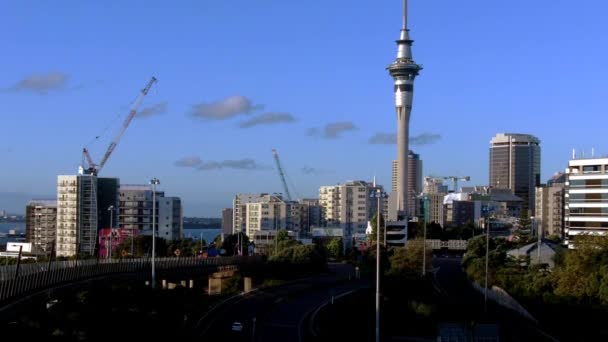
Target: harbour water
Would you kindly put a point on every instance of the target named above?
(207, 234)
(5, 227)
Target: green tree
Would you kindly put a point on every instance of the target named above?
(282, 235)
(142, 246)
(374, 223)
(334, 248)
(408, 260)
(299, 255)
(583, 275)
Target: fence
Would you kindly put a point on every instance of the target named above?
(19, 280)
(449, 244)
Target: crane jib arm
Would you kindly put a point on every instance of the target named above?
(125, 125)
(281, 173)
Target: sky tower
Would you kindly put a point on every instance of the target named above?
(404, 71)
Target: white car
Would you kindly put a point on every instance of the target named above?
(237, 326)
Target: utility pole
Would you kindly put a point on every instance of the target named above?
(538, 232)
(109, 250)
(154, 181)
(424, 249)
(379, 195)
(485, 292)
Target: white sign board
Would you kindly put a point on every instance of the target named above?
(14, 247)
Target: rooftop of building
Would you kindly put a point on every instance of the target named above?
(43, 202)
(514, 137)
(588, 161)
(504, 195)
(141, 187)
(547, 251)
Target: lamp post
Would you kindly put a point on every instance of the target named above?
(154, 181)
(424, 248)
(536, 228)
(424, 198)
(485, 292)
(109, 249)
(379, 195)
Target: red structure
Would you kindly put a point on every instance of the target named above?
(115, 235)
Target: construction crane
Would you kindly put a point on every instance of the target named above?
(94, 168)
(454, 179)
(275, 154)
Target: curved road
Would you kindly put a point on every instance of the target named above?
(280, 313)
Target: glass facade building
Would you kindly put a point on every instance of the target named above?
(515, 165)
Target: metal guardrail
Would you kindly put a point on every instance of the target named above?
(18, 280)
(502, 298)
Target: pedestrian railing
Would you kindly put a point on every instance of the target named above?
(18, 280)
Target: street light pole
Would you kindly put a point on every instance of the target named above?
(109, 251)
(485, 292)
(154, 181)
(385, 246)
(538, 244)
(424, 249)
(378, 270)
(379, 195)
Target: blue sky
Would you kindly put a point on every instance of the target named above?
(71, 69)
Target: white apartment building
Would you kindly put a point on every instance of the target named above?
(586, 198)
(349, 206)
(239, 210)
(170, 218)
(76, 215)
(266, 212)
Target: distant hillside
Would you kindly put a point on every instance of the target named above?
(202, 222)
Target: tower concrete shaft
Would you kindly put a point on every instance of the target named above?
(404, 71)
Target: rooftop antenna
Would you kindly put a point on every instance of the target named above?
(592, 152)
(573, 154)
(405, 14)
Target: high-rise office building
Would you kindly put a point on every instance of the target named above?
(107, 196)
(435, 208)
(549, 206)
(515, 165)
(586, 198)
(311, 215)
(414, 181)
(227, 214)
(434, 186)
(41, 224)
(350, 205)
(77, 219)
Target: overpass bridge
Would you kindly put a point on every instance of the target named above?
(18, 281)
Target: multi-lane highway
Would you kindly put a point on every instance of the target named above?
(280, 313)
